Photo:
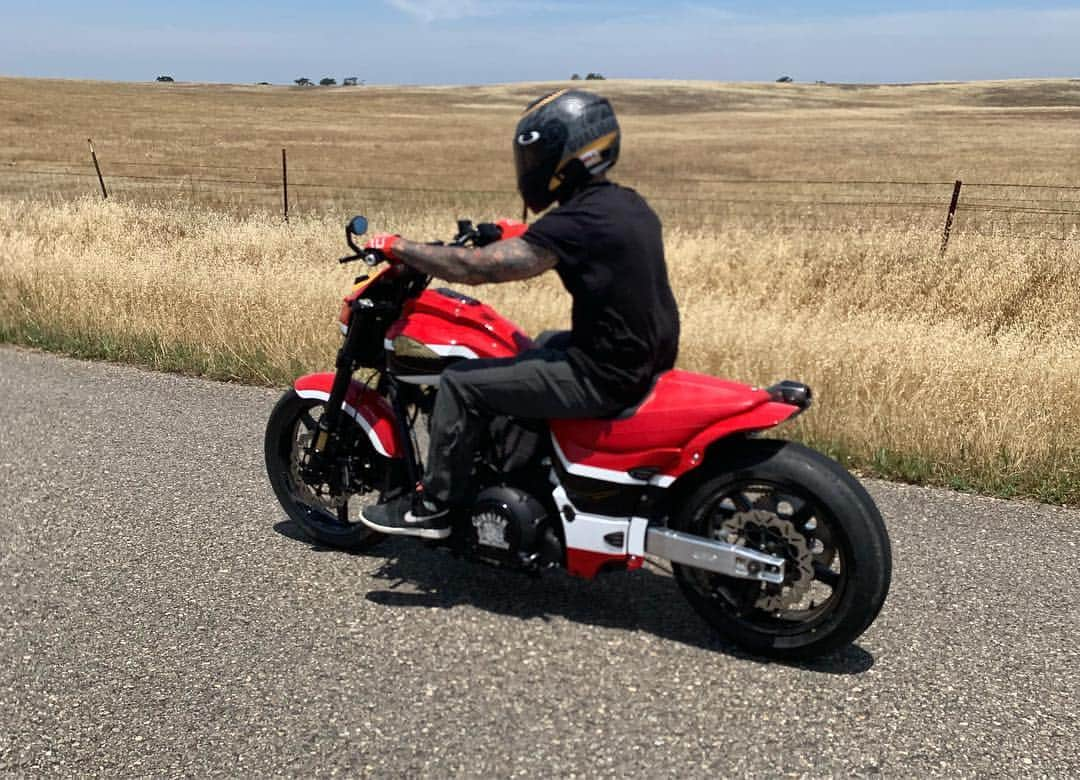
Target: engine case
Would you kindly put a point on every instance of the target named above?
(507, 525)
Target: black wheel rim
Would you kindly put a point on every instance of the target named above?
(735, 513)
(330, 514)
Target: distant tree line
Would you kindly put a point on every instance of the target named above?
(327, 81)
(352, 81)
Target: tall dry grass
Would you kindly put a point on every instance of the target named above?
(961, 372)
(459, 137)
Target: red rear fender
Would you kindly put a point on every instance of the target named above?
(364, 405)
(760, 418)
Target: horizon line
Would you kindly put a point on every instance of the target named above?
(615, 79)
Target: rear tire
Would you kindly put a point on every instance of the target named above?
(791, 501)
(319, 516)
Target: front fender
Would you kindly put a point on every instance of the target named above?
(370, 410)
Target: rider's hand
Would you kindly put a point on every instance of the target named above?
(383, 244)
(511, 228)
(490, 232)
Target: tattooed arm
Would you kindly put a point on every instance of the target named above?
(503, 261)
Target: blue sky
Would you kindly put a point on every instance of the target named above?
(477, 41)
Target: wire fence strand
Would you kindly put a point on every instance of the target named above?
(1003, 207)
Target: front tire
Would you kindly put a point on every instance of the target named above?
(325, 517)
(788, 500)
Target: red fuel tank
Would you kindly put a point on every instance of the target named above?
(441, 327)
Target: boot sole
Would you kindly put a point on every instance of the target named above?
(423, 533)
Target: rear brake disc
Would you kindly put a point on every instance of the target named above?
(768, 532)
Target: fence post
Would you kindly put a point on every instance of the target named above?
(101, 180)
(285, 184)
(951, 215)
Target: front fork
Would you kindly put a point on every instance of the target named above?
(325, 447)
(327, 440)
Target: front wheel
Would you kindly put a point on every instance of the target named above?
(328, 515)
(790, 501)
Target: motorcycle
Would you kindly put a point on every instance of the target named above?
(775, 545)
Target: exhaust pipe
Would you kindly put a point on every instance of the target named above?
(715, 556)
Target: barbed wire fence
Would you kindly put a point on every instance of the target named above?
(1023, 210)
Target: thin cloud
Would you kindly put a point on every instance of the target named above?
(429, 11)
(438, 10)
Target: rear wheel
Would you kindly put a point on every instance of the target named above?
(789, 501)
(327, 514)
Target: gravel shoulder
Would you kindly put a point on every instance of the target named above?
(160, 616)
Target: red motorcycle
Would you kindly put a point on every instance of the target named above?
(774, 544)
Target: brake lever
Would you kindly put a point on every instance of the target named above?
(370, 258)
(466, 232)
(464, 239)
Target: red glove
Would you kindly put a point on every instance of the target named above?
(511, 228)
(384, 244)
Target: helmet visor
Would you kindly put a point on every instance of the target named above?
(536, 155)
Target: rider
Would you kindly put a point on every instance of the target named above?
(606, 245)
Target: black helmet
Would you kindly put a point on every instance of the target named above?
(563, 139)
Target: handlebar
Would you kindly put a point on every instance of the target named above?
(467, 235)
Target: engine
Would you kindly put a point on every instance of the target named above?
(509, 526)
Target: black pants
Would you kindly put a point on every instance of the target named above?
(538, 384)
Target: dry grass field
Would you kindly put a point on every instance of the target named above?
(962, 371)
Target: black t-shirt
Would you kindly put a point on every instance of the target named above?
(611, 260)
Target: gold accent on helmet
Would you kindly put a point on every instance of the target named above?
(544, 101)
(603, 143)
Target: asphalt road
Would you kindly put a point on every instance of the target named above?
(160, 617)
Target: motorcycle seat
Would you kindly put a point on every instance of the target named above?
(679, 405)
